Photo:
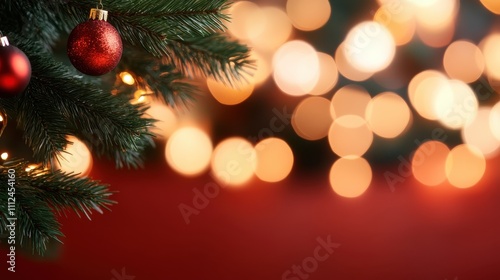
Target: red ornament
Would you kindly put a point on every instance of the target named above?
(15, 70)
(94, 46)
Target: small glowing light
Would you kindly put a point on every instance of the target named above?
(308, 15)
(424, 90)
(464, 61)
(234, 161)
(277, 29)
(274, 160)
(189, 150)
(492, 55)
(230, 94)
(30, 167)
(76, 158)
(388, 115)
(429, 163)
(458, 109)
(479, 134)
(140, 96)
(127, 78)
(1, 118)
(350, 100)
(4, 155)
(296, 68)
(350, 177)
(328, 75)
(465, 166)
(247, 20)
(492, 5)
(166, 119)
(350, 135)
(311, 119)
(369, 47)
(346, 69)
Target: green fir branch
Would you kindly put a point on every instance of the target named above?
(39, 191)
(159, 77)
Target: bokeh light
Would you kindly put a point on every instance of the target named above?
(350, 100)
(491, 53)
(424, 90)
(127, 78)
(263, 68)
(350, 135)
(76, 158)
(388, 115)
(166, 119)
(457, 109)
(234, 161)
(434, 14)
(492, 5)
(308, 15)
(247, 20)
(479, 134)
(346, 69)
(397, 21)
(350, 177)
(296, 68)
(276, 32)
(4, 156)
(328, 75)
(495, 120)
(464, 61)
(230, 94)
(274, 160)
(311, 119)
(465, 166)
(429, 163)
(437, 38)
(369, 47)
(188, 151)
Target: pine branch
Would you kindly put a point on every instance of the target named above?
(184, 31)
(140, 19)
(215, 56)
(58, 103)
(39, 191)
(158, 76)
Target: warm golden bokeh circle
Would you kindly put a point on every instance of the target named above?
(465, 166)
(274, 160)
(388, 115)
(311, 119)
(350, 177)
(429, 163)
(188, 151)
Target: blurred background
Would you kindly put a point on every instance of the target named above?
(373, 126)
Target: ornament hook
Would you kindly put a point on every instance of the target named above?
(99, 5)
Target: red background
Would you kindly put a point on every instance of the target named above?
(261, 230)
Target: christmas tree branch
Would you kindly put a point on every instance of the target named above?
(36, 192)
(158, 76)
(215, 56)
(57, 103)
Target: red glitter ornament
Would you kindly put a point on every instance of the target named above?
(94, 46)
(15, 69)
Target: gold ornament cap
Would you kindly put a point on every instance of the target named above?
(3, 40)
(98, 14)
